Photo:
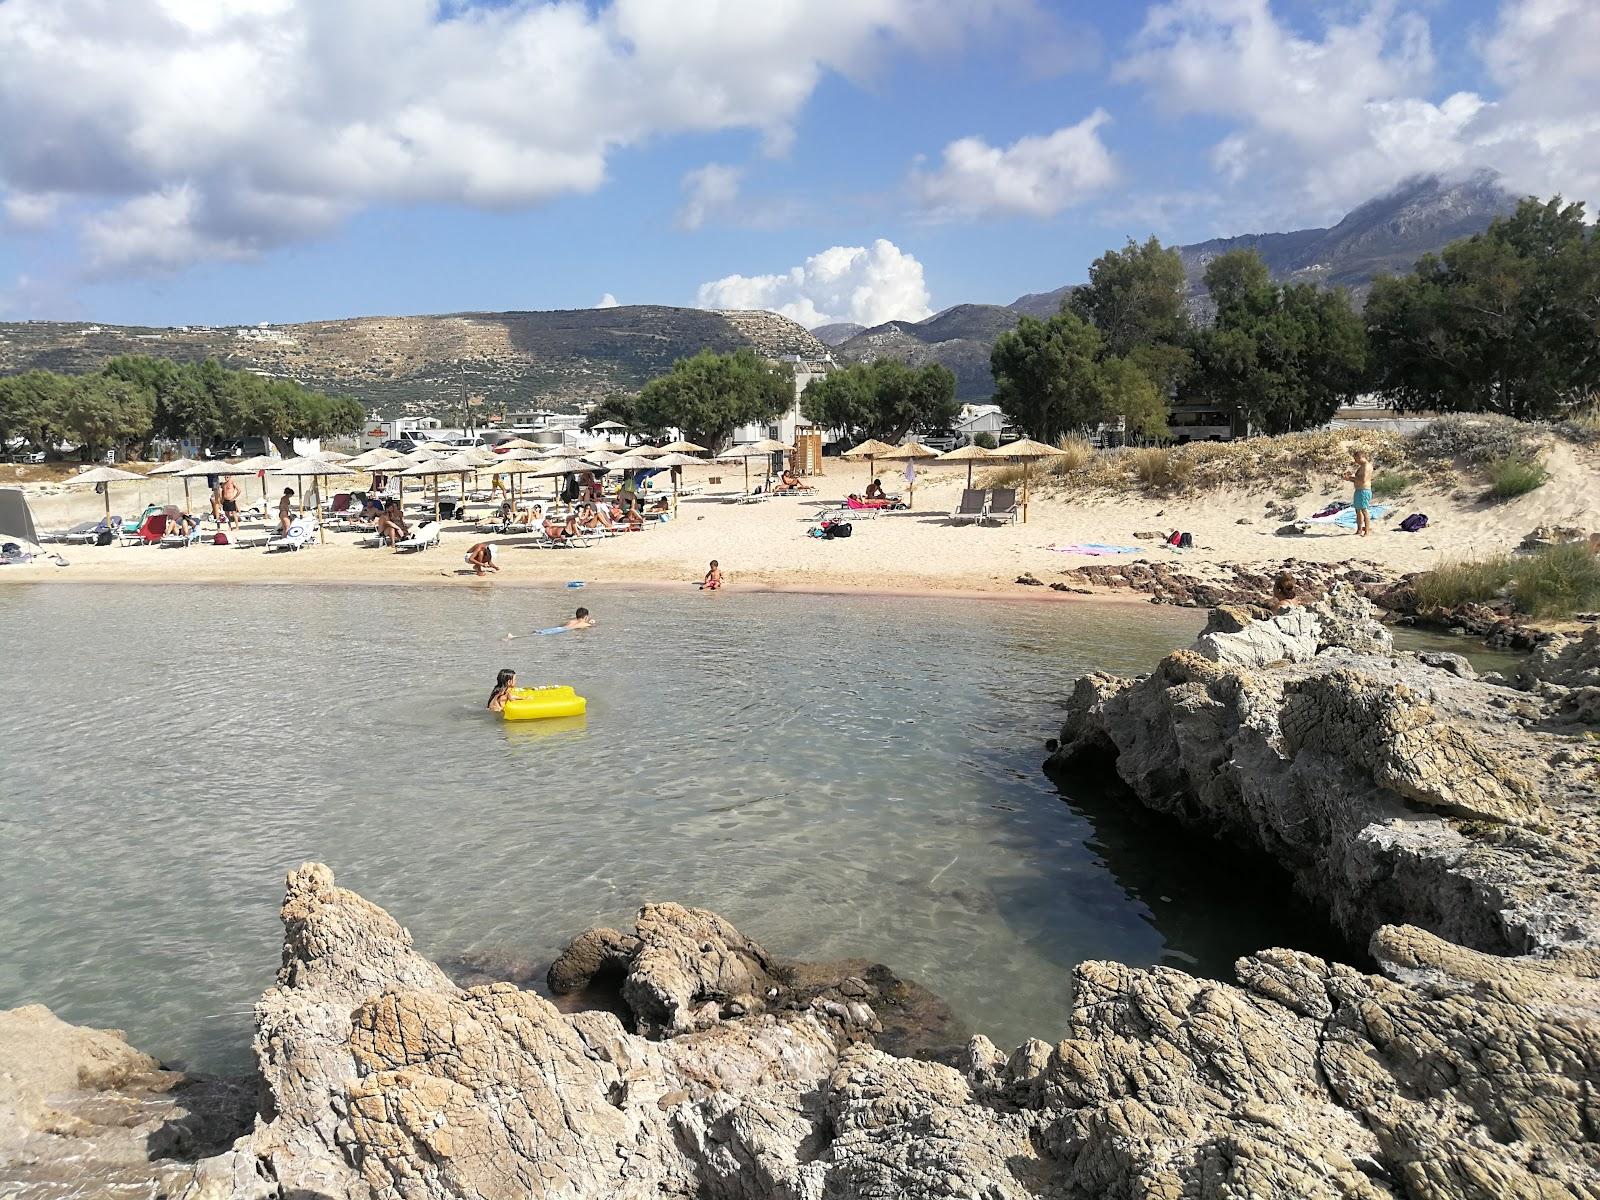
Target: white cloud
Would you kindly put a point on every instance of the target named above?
(238, 125)
(1327, 121)
(607, 301)
(32, 210)
(1032, 177)
(865, 284)
(709, 191)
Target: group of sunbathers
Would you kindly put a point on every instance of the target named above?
(874, 497)
(586, 517)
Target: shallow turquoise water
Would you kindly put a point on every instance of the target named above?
(838, 776)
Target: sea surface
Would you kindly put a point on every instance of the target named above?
(839, 776)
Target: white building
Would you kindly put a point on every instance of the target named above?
(787, 425)
(979, 418)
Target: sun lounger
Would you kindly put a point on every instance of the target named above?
(302, 532)
(1002, 505)
(178, 540)
(82, 531)
(150, 532)
(973, 504)
(423, 537)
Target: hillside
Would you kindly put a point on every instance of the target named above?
(515, 360)
(1387, 234)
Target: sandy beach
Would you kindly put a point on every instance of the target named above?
(766, 545)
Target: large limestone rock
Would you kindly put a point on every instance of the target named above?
(1454, 1075)
(1232, 637)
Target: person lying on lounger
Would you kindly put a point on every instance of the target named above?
(788, 482)
(660, 506)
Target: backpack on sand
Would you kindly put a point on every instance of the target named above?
(1186, 541)
(1415, 523)
(840, 529)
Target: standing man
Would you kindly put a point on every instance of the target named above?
(230, 501)
(1361, 480)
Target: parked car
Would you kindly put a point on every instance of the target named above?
(244, 447)
(942, 440)
(26, 456)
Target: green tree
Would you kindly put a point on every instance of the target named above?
(1505, 321)
(1046, 377)
(31, 406)
(1286, 357)
(710, 395)
(104, 413)
(1137, 297)
(1127, 391)
(883, 399)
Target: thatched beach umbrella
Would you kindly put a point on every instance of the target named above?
(870, 449)
(672, 462)
(556, 468)
(746, 453)
(969, 454)
(103, 475)
(911, 452)
(453, 465)
(609, 425)
(172, 468)
(1026, 451)
(614, 446)
(334, 456)
(682, 447)
(204, 470)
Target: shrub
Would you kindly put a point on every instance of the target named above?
(1515, 475)
(1556, 581)
(985, 440)
(1466, 581)
(1077, 454)
(1163, 468)
(1475, 437)
(1390, 483)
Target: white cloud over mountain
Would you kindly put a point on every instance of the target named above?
(865, 284)
(1032, 177)
(202, 129)
(709, 191)
(1327, 121)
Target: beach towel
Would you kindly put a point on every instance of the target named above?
(1095, 549)
(1346, 518)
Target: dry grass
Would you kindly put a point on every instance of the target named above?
(1551, 583)
(1515, 475)
(1163, 468)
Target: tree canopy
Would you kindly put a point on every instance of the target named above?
(134, 398)
(1285, 356)
(710, 395)
(1137, 297)
(885, 399)
(1505, 321)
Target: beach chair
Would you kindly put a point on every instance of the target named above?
(338, 504)
(302, 532)
(1002, 505)
(150, 532)
(420, 539)
(177, 541)
(82, 531)
(972, 506)
(132, 530)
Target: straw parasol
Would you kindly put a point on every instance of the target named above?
(202, 470)
(608, 425)
(682, 447)
(334, 456)
(602, 458)
(555, 468)
(105, 475)
(514, 463)
(172, 468)
(455, 464)
(1026, 451)
(517, 443)
(614, 446)
(671, 461)
(647, 451)
(969, 454)
(437, 447)
(908, 453)
(870, 449)
(733, 454)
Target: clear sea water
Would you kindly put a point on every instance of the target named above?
(840, 776)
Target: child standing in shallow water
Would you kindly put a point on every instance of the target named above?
(713, 579)
(1361, 479)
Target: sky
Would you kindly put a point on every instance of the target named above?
(169, 162)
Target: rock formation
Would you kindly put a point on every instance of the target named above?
(1449, 818)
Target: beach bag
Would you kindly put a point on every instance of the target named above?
(104, 538)
(1415, 523)
(1186, 541)
(220, 540)
(839, 529)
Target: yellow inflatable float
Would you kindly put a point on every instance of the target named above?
(537, 704)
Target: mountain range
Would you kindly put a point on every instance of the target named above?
(514, 361)
(1385, 235)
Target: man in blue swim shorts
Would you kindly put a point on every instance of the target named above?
(1361, 478)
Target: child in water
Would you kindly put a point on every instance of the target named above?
(713, 579)
(504, 682)
(580, 620)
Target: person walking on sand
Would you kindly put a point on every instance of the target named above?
(285, 511)
(713, 579)
(1360, 478)
(230, 500)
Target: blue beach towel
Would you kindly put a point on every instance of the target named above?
(1346, 518)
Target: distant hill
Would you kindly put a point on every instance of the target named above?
(1388, 234)
(516, 360)
(837, 333)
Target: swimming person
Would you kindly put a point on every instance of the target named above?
(482, 556)
(1361, 480)
(713, 579)
(504, 682)
(580, 620)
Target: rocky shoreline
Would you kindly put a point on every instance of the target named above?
(1449, 819)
